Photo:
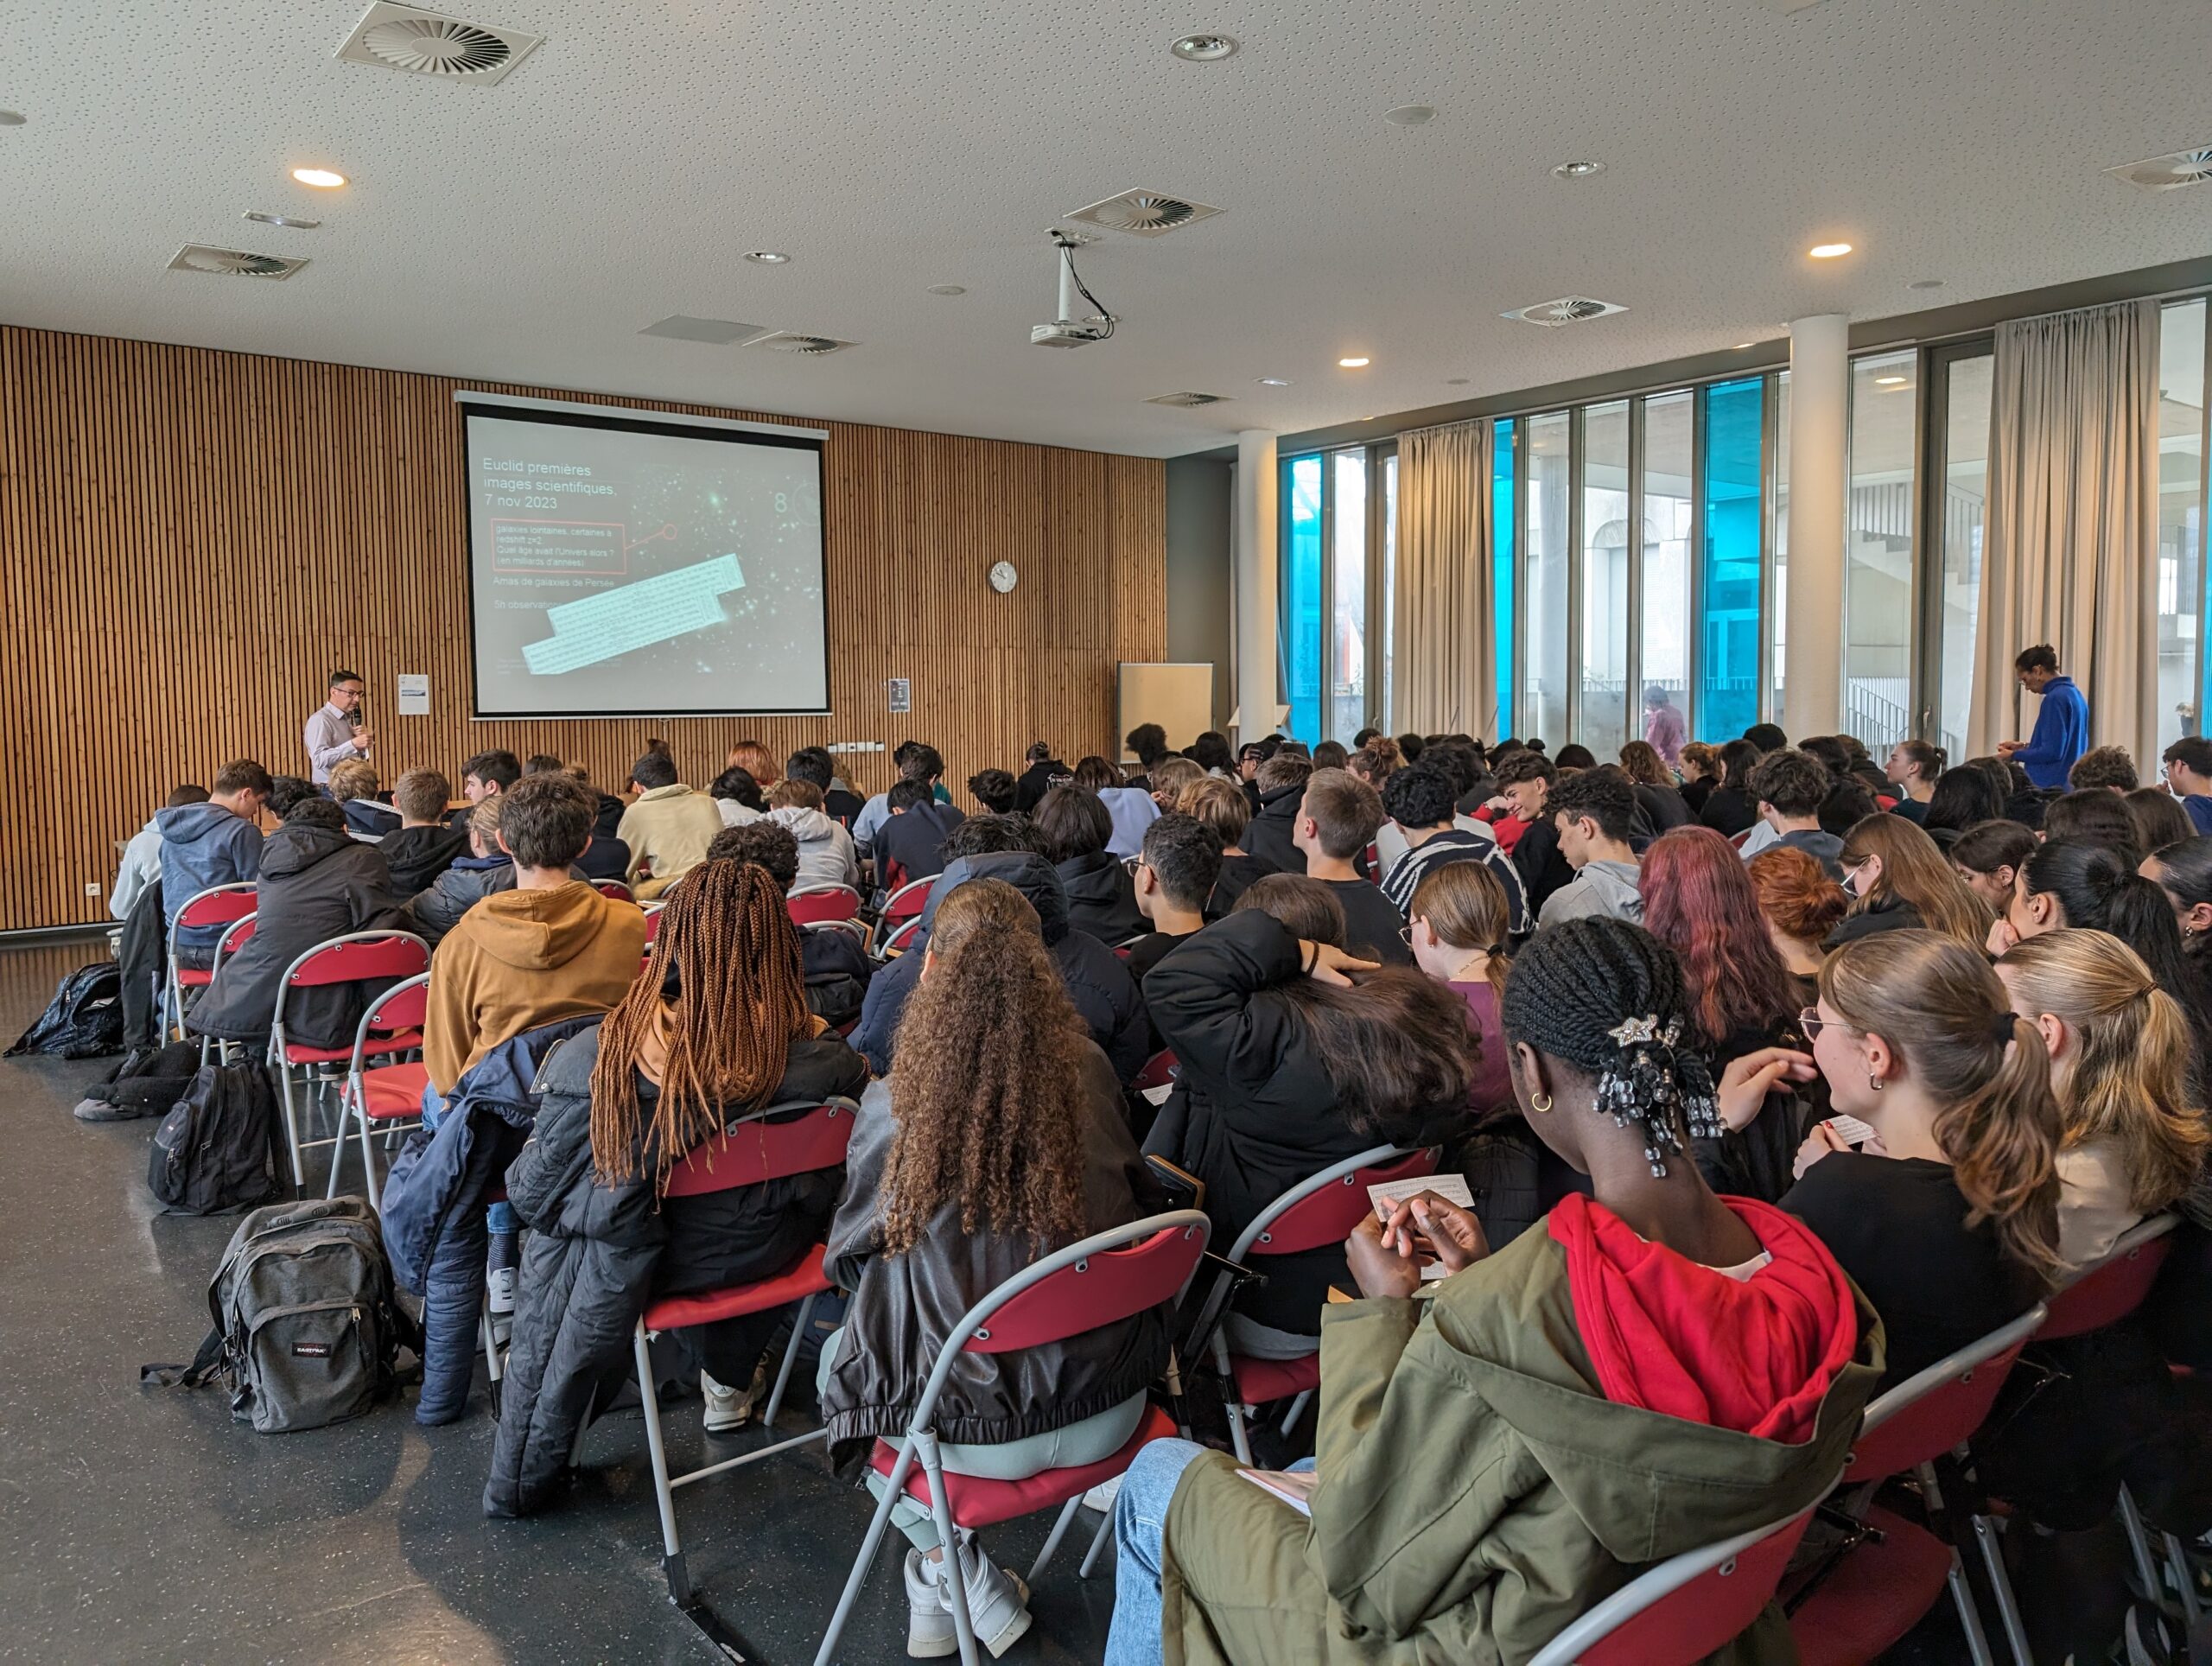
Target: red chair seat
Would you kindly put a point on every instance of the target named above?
(394, 1092)
(803, 1280)
(296, 1053)
(1259, 1380)
(978, 1503)
(1877, 1594)
(192, 978)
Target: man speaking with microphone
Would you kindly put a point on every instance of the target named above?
(334, 733)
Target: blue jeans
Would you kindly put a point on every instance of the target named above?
(1139, 1521)
(499, 1217)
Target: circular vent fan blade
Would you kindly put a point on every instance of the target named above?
(437, 45)
(1148, 212)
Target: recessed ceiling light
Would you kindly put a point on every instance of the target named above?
(1351, 364)
(1205, 48)
(293, 220)
(323, 179)
(12, 119)
(1410, 116)
(1889, 381)
(1828, 250)
(948, 288)
(1579, 170)
(1927, 283)
(769, 257)
(1275, 381)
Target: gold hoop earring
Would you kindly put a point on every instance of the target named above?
(1542, 1105)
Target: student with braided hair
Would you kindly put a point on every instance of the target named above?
(1653, 1369)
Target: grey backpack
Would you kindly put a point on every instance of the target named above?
(306, 1329)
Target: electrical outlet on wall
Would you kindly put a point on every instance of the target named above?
(92, 887)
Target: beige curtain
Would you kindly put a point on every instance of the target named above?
(1443, 667)
(2069, 539)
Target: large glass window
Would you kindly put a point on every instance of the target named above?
(1300, 588)
(1543, 687)
(1965, 437)
(1347, 666)
(1388, 627)
(1664, 637)
(2181, 519)
(1728, 577)
(1877, 551)
(1504, 526)
(1606, 543)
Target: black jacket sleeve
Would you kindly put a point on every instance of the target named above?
(1202, 999)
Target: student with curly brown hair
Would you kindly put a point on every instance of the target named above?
(998, 1137)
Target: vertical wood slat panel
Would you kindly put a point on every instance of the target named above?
(192, 538)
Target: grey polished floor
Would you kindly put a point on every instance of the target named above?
(144, 1525)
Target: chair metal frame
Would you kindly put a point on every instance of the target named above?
(615, 890)
(172, 985)
(318, 1072)
(1178, 1232)
(235, 936)
(352, 1099)
(891, 924)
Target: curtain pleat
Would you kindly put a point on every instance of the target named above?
(1444, 663)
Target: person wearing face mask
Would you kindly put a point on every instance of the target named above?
(1898, 880)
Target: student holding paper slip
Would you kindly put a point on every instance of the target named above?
(1656, 1369)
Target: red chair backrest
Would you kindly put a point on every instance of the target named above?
(401, 1008)
(218, 907)
(905, 936)
(1701, 1617)
(823, 903)
(1937, 1423)
(1328, 1216)
(750, 1151)
(1159, 1071)
(347, 962)
(1097, 1290)
(236, 936)
(614, 888)
(908, 900)
(2109, 1292)
(652, 924)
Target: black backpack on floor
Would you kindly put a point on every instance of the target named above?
(307, 1332)
(148, 1081)
(219, 1146)
(84, 1018)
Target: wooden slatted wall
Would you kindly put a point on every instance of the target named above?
(193, 538)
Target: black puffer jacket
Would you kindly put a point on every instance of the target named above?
(1884, 915)
(1269, 837)
(418, 854)
(597, 1255)
(316, 883)
(1102, 897)
(904, 1306)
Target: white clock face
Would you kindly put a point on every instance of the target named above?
(1003, 577)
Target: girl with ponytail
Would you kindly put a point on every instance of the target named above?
(1952, 1229)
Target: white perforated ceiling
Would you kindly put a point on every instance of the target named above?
(528, 231)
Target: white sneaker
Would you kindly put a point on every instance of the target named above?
(930, 1630)
(1101, 1497)
(500, 1290)
(998, 1601)
(726, 1408)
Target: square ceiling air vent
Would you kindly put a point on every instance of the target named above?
(1567, 309)
(715, 332)
(1188, 400)
(810, 346)
(2168, 173)
(426, 43)
(232, 263)
(1143, 213)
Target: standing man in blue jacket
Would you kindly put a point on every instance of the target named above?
(2062, 725)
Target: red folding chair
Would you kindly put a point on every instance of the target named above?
(348, 959)
(747, 1153)
(652, 911)
(1312, 1215)
(1685, 1608)
(1867, 1598)
(235, 936)
(390, 1097)
(219, 905)
(818, 904)
(901, 916)
(614, 888)
(1159, 1072)
(1107, 1278)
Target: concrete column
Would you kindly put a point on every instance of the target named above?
(1819, 406)
(1256, 557)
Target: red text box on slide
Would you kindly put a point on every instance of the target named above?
(561, 548)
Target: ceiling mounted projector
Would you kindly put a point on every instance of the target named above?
(1072, 328)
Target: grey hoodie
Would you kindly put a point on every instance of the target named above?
(1607, 888)
(825, 849)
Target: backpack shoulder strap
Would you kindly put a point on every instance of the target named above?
(203, 1367)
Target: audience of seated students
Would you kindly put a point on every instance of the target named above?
(1041, 772)
(998, 1137)
(1912, 770)
(1898, 878)
(668, 826)
(909, 841)
(424, 844)
(2095, 817)
(992, 790)
(1988, 857)
(1210, 752)
(1494, 1460)
(754, 757)
(1789, 788)
(1595, 812)
(1729, 808)
(2159, 819)
(914, 762)
(353, 786)
(1460, 939)
(2110, 769)
(738, 797)
(316, 882)
(1801, 905)
(436, 909)
(1656, 795)
(1007, 847)
(1223, 807)
(1174, 876)
(1294, 1055)
(2188, 764)
(1419, 803)
(826, 855)
(1952, 1229)
(1280, 784)
(1337, 820)
(839, 802)
(216, 841)
(1133, 809)
(550, 948)
(140, 867)
(2024, 799)
(715, 1030)
(1074, 828)
(1170, 778)
(1700, 772)
(483, 776)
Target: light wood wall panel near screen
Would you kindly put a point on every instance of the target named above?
(193, 538)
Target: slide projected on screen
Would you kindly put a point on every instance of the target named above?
(636, 566)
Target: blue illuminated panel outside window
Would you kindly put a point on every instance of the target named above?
(1728, 590)
(1501, 452)
(1300, 589)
